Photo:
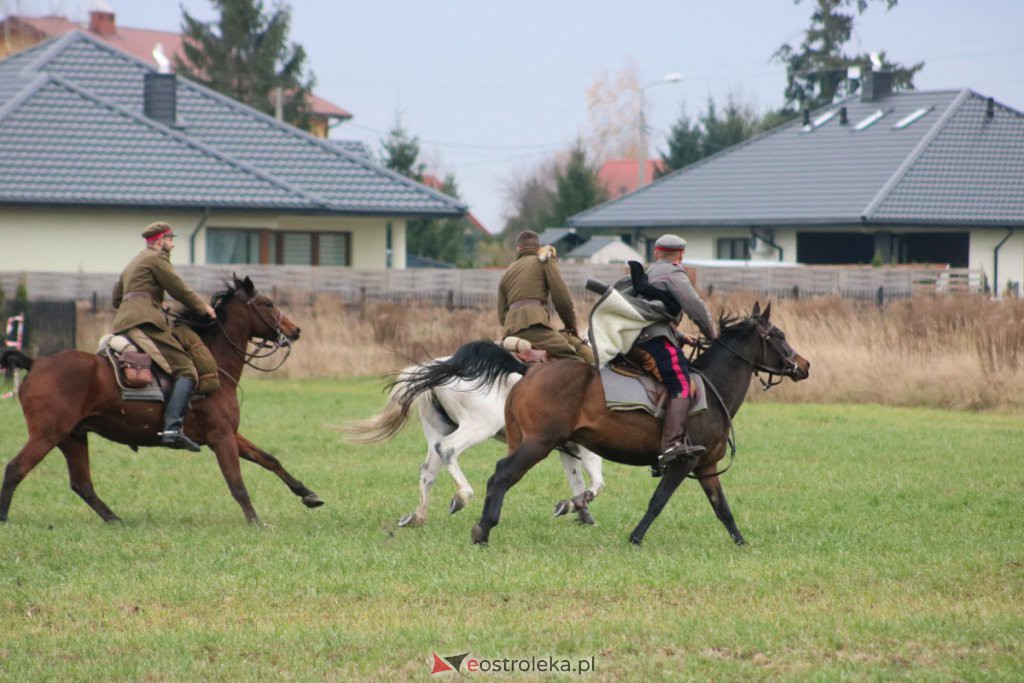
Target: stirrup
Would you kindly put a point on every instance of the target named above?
(683, 448)
(177, 439)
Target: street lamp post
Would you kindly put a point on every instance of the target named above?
(641, 161)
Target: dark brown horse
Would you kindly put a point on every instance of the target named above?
(71, 393)
(561, 401)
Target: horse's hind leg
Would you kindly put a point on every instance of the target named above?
(76, 451)
(19, 467)
(507, 472)
(455, 444)
(582, 495)
(673, 477)
(253, 453)
(428, 475)
(713, 490)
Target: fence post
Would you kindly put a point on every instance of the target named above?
(451, 299)
(796, 292)
(880, 297)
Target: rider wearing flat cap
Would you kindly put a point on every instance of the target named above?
(666, 280)
(523, 302)
(139, 296)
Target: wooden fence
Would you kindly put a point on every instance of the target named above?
(471, 288)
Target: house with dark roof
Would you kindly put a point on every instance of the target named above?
(603, 249)
(931, 177)
(20, 32)
(95, 144)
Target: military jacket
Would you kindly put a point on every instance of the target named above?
(530, 278)
(150, 272)
(673, 278)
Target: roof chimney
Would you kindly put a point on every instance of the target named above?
(876, 85)
(806, 114)
(990, 108)
(159, 99)
(843, 118)
(101, 22)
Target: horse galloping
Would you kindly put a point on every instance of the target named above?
(461, 403)
(563, 401)
(71, 393)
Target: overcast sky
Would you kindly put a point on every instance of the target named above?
(492, 87)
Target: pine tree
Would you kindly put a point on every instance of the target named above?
(684, 145)
(816, 70)
(246, 56)
(400, 151)
(576, 188)
(735, 125)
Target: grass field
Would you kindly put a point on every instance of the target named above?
(883, 543)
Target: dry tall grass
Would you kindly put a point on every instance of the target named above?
(945, 352)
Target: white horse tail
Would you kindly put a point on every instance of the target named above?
(389, 421)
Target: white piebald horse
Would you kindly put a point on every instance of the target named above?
(461, 403)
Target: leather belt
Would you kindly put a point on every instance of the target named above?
(138, 295)
(525, 302)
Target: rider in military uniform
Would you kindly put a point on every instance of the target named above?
(138, 297)
(666, 280)
(523, 303)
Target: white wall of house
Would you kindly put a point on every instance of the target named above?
(104, 240)
(616, 252)
(1011, 255)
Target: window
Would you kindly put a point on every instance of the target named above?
(314, 248)
(283, 247)
(734, 248)
(237, 246)
(869, 120)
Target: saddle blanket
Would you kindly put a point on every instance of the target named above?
(623, 392)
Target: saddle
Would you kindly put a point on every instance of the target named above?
(628, 385)
(134, 370)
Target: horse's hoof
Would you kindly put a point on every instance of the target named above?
(479, 535)
(457, 504)
(740, 541)
(636, 541)
(411, 519)
(113, 520)
(562, 507)
(312, 501)
(584, 517)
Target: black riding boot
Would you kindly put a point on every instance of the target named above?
(173, 435)
(674, 442)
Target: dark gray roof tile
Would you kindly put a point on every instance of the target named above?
(250, 159)
(947, 166)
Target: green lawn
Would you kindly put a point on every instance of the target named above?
(882, 543)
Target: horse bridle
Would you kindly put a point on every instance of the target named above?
(271, 346)
(788, 358)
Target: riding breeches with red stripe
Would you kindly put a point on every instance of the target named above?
(671, 365)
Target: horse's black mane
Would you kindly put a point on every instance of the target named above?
(219, 303)
(480, 361)
(733, 322)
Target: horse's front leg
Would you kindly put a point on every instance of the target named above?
(226, 449)
(713, 490)
(253, 453)
(673, 477)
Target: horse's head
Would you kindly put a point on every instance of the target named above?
(264, 320)
(776, 356)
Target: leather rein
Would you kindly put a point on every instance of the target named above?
(788, 358)
(270, 346)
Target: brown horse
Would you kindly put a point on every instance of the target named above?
(71, 393)
(562, 401)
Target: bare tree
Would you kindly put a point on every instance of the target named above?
(613, 116)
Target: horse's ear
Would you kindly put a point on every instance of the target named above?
(248, 286)
(767, 313)
(756, 312)
(234, 277)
